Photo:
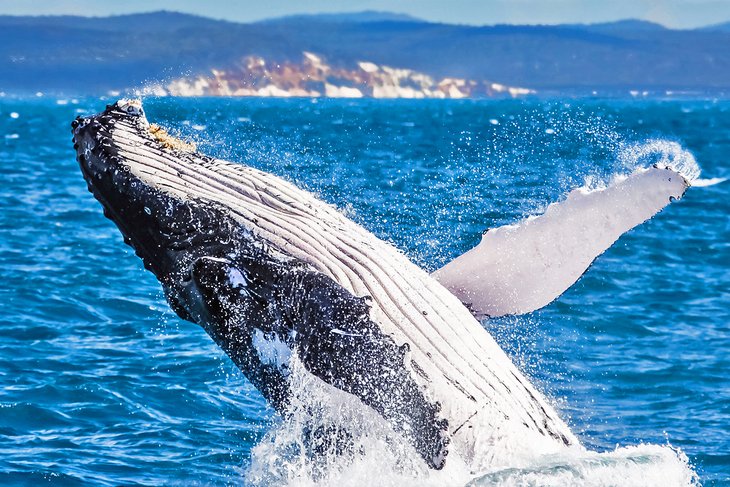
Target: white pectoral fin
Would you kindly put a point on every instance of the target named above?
(519, 268)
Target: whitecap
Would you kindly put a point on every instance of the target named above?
(703, 183)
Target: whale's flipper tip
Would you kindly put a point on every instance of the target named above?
(523, 267)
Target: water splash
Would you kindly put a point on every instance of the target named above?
(662, 153)
(329, 437)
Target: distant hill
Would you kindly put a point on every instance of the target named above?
(87, 55)
(629, 25)
(356, 17)
(724, 27)
(162, 21)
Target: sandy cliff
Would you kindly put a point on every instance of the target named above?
(313, 77)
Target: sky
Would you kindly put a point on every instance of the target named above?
(671, 13)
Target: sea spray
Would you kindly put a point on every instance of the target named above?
(330, 438)
(353, 446)
(368, 452)
(662, 153)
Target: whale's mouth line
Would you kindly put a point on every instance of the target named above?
(87, 166)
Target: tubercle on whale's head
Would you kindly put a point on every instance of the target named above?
(132, 107)
(170, 142)
(132, 111)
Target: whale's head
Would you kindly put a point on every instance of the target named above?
(129, 167)
(204, 228)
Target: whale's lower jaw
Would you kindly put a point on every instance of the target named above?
(256, 260)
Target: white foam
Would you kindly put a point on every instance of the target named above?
(641, 465)
(374, 455)
(377, 456)
(703, 183)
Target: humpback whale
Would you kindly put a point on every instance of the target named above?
(271, 272)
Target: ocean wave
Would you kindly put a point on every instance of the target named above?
(703, 183)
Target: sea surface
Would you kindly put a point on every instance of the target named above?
(101, 384)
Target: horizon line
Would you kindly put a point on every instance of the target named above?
(406, 18)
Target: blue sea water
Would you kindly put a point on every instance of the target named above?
(101, 384)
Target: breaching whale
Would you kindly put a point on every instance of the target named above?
(271, 272)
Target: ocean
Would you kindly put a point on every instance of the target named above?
(101, 383)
